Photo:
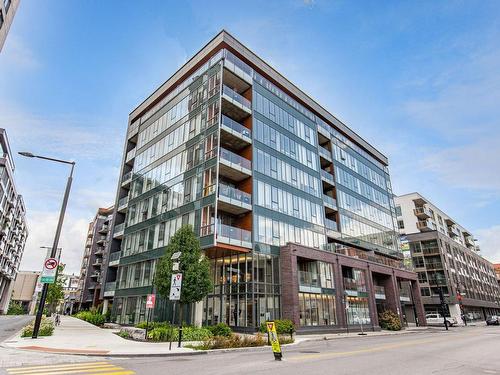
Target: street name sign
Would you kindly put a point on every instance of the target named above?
(175, 287)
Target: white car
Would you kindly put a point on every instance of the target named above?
(438, 320)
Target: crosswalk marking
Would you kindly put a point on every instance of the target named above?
(94, 368)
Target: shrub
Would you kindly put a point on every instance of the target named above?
(221, 329)
(152, 325)
(283, 327)
(162, 334)
(15, 308)
(389, 320)
(195, 333)
(92, 317)
(233, 341)
(124, 334)
(46, 328)
(165, 332)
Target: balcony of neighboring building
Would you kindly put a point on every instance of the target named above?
(235, 236)
(130, 156)
(122, 204)
(236, 74)
(327, 178)
(114, 259)
(453, 231)
(325, 155)
(235, 105)
(127, 179)
(331, 227)
(133, 129)
(233, 200)
(309, 282)
(469, 241)
(101, 240)
(234, 135)
(425, 225)
(422, 212)
(330, 204)
(97, 262)
(234, 166)
(103, 229)
(379, 292)
(119, 229)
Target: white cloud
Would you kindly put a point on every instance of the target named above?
(42, 227)
(17, 55)
(489, 240)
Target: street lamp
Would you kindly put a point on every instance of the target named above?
(53, 252)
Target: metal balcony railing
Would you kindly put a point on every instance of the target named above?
(236, 126)
(235, 159)
(233, 193)
(327, 175)
(329, 200)
(330, 224)
(236, 97)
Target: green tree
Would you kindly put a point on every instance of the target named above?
(195, 268)
(55, 293)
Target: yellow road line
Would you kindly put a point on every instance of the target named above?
(58, 366)
(367, 350)
(127, 372)
(105, 369)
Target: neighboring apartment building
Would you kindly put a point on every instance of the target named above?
(293, 209)
(497, 271)
(13, 229)
(8, 9)
(94, 256)
(71, 294)
(445, 256)
(24, 290)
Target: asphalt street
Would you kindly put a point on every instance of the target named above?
(462, 350)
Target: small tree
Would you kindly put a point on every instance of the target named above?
(55, 293)
(195, 268)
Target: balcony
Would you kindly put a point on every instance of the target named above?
(424, 225)
(351, 285)
(405, 295)
(240, 72)
(118, 232)
(109, 289)
(101, 240)
(234, 134)
(91, 285)
(332, 229)
(422, 212)
(453, 231)
(130, 157)
(325, 156)
(330, 204)
(434, 266)
(327, 177)
(127, 179)
(379, 292)
(114, 259)
(97, 263)
(233, 200)
(103, 229)
(233, 166)
(235, 105)
(437, 282)
(122, 204)
(95, 275)
(133, 129)
(234, 236)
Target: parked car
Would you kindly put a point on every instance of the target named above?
(438, 320)
(493, 320)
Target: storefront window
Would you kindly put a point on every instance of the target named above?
(317, 309)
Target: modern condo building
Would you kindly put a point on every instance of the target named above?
(13, 230)
(94, 257)
(293, 208)
(445, 256)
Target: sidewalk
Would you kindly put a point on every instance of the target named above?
(74, 336)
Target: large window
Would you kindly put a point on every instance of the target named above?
(317, 309)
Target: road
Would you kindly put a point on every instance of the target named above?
(460, 351)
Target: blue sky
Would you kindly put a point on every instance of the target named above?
(419, 80)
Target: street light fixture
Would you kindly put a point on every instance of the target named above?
(53, 252)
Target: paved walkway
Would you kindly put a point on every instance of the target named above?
(74, 336)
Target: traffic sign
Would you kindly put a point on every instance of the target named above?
(175, 287)
(49, 270)
(150, 301)
(273, 338)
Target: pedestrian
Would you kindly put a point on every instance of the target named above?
(57, 319)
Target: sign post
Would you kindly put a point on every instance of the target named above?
(175, 295)
(150, 305)
(49, 271)
(273, 339)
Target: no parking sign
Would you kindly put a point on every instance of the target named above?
(49, 270)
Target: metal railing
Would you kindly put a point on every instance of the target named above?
(234, 233)
(233, 193)
(351, 284)
(379, 289)
(127, 176)
(123, 201)
(236, 97)
(329, 200)
(113, 257)
(327, 175)
(330, 224)
(307, 278)
(110, 286)
(119, 227)
(130, 154)
(235, 159)
(325, 153)
(236, 126)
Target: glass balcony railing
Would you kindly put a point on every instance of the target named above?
(236, 97)
(123, 201)
(327, 175)
(113, 257)
(119, 228)
(325, 153)
(234, 233)
(352, 284)
(233, 193)
(379, 289)
(127, 176)
(130, 154)
(235, 159)
(110, 286)
(309, 279)
(236, 126)
(329, 200)
(330, 224)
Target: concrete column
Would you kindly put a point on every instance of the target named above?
(198, 314)
(391, 294)
(417, 301)
(339, 294)
(104, 306)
